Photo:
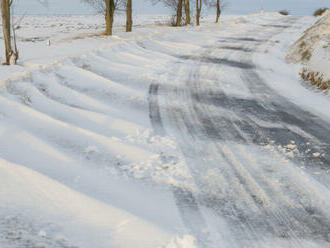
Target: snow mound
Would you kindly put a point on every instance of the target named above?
(186, 241)
(312, 50)
(22, 188)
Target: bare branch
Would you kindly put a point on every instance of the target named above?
(99, 5)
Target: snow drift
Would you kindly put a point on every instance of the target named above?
(312, 50)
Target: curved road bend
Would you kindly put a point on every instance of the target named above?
(250, 194)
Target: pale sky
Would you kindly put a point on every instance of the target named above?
(297, 7)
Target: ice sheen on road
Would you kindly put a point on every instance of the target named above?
(163, 138)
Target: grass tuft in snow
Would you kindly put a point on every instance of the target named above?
(284, 12)
(315, 78)
(320, 11)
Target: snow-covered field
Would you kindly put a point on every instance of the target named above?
(86, 161)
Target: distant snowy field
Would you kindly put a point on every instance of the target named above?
(35, 31)
(36, 28)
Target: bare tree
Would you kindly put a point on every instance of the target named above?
(179, 13)
(199, 4)
(98, 5)
(9, 27)
(171, 4)
(176, 6)
(218, 12)
(109, 14)
(106, 7)
(11, 56)
(14, 27)
(129, 20)
(187, 11)
(219, 5)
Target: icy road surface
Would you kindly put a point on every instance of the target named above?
(192, 137)
(245, 145)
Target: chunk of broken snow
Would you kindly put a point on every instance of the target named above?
(290, 154)
(316, 154)
(186, 241)
(291, 146)
(42, 234)
(91, 149)
(269, 147)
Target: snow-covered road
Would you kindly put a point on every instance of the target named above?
(245, 148)
(166, 138)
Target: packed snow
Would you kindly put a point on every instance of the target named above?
(81, 164)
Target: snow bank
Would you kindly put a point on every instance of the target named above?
(90, 223)
(312, 51)
(283, 76)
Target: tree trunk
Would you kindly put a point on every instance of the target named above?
(129, 20)
(198, 11)
(179, 13)
(187, 11)
(5, 10)
(109, 13)
(218, 11)
(112, 13)
(107, 17)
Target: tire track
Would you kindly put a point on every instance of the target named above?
(210, 125)
(186, 202)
